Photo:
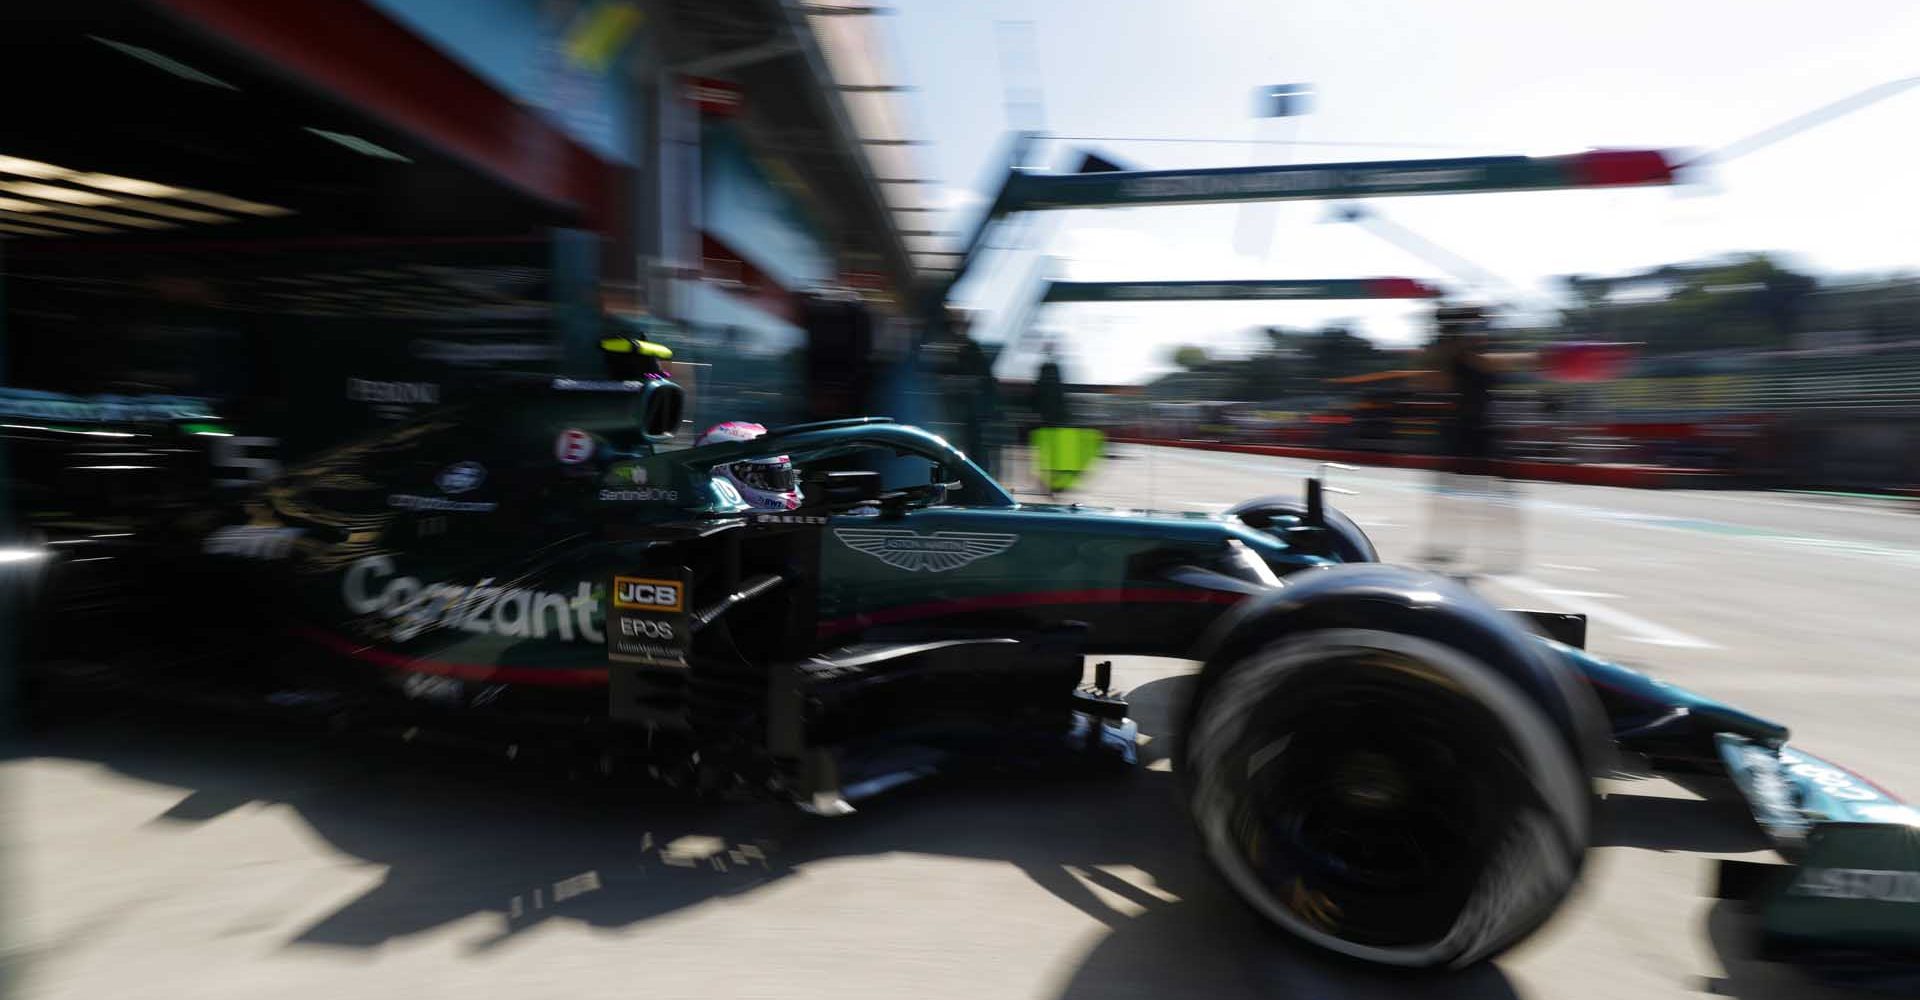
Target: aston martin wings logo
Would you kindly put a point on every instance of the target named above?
(939, 552)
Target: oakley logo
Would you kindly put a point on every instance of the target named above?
(939, 552)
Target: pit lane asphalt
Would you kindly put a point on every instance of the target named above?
(176, 857)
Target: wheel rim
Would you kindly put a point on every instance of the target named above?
(1372, 819)
(1379, 824)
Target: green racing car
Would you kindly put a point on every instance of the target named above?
(1378, 761)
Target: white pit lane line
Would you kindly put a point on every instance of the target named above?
(1730, 531)
(1596, 594)
(1636, 628)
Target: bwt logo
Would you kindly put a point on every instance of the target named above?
(647, 595)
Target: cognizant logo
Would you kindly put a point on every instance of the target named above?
(369, 587)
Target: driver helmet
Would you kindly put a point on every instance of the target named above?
(764, 483)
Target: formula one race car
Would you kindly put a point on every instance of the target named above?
(1377, 760)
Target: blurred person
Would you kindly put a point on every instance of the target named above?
(1474, 512)
(1063, 452)
(1050, 392)
(972, 391)
(1553, 425)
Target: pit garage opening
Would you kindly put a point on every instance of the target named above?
(307, 216)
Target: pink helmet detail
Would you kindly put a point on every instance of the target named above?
(764, 483)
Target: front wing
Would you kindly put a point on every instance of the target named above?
(1852, 884)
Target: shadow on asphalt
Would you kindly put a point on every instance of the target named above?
(461, 837)
(1657, 823)
(1732, 929)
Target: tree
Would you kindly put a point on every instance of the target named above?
(1273, 371)
(1336, 351)
(1745, 302)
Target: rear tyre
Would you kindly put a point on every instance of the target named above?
(1386, 798)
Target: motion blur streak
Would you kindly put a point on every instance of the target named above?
(1375, 462)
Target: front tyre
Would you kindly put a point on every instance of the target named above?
(1386, 797)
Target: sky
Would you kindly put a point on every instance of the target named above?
(1426, 79)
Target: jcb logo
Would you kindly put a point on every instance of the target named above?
(647, 595)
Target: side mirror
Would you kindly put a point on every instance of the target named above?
(840, 489)
(661, 406)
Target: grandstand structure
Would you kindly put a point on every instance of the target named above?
(1878, 377)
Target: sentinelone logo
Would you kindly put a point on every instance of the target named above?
(648, 595)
